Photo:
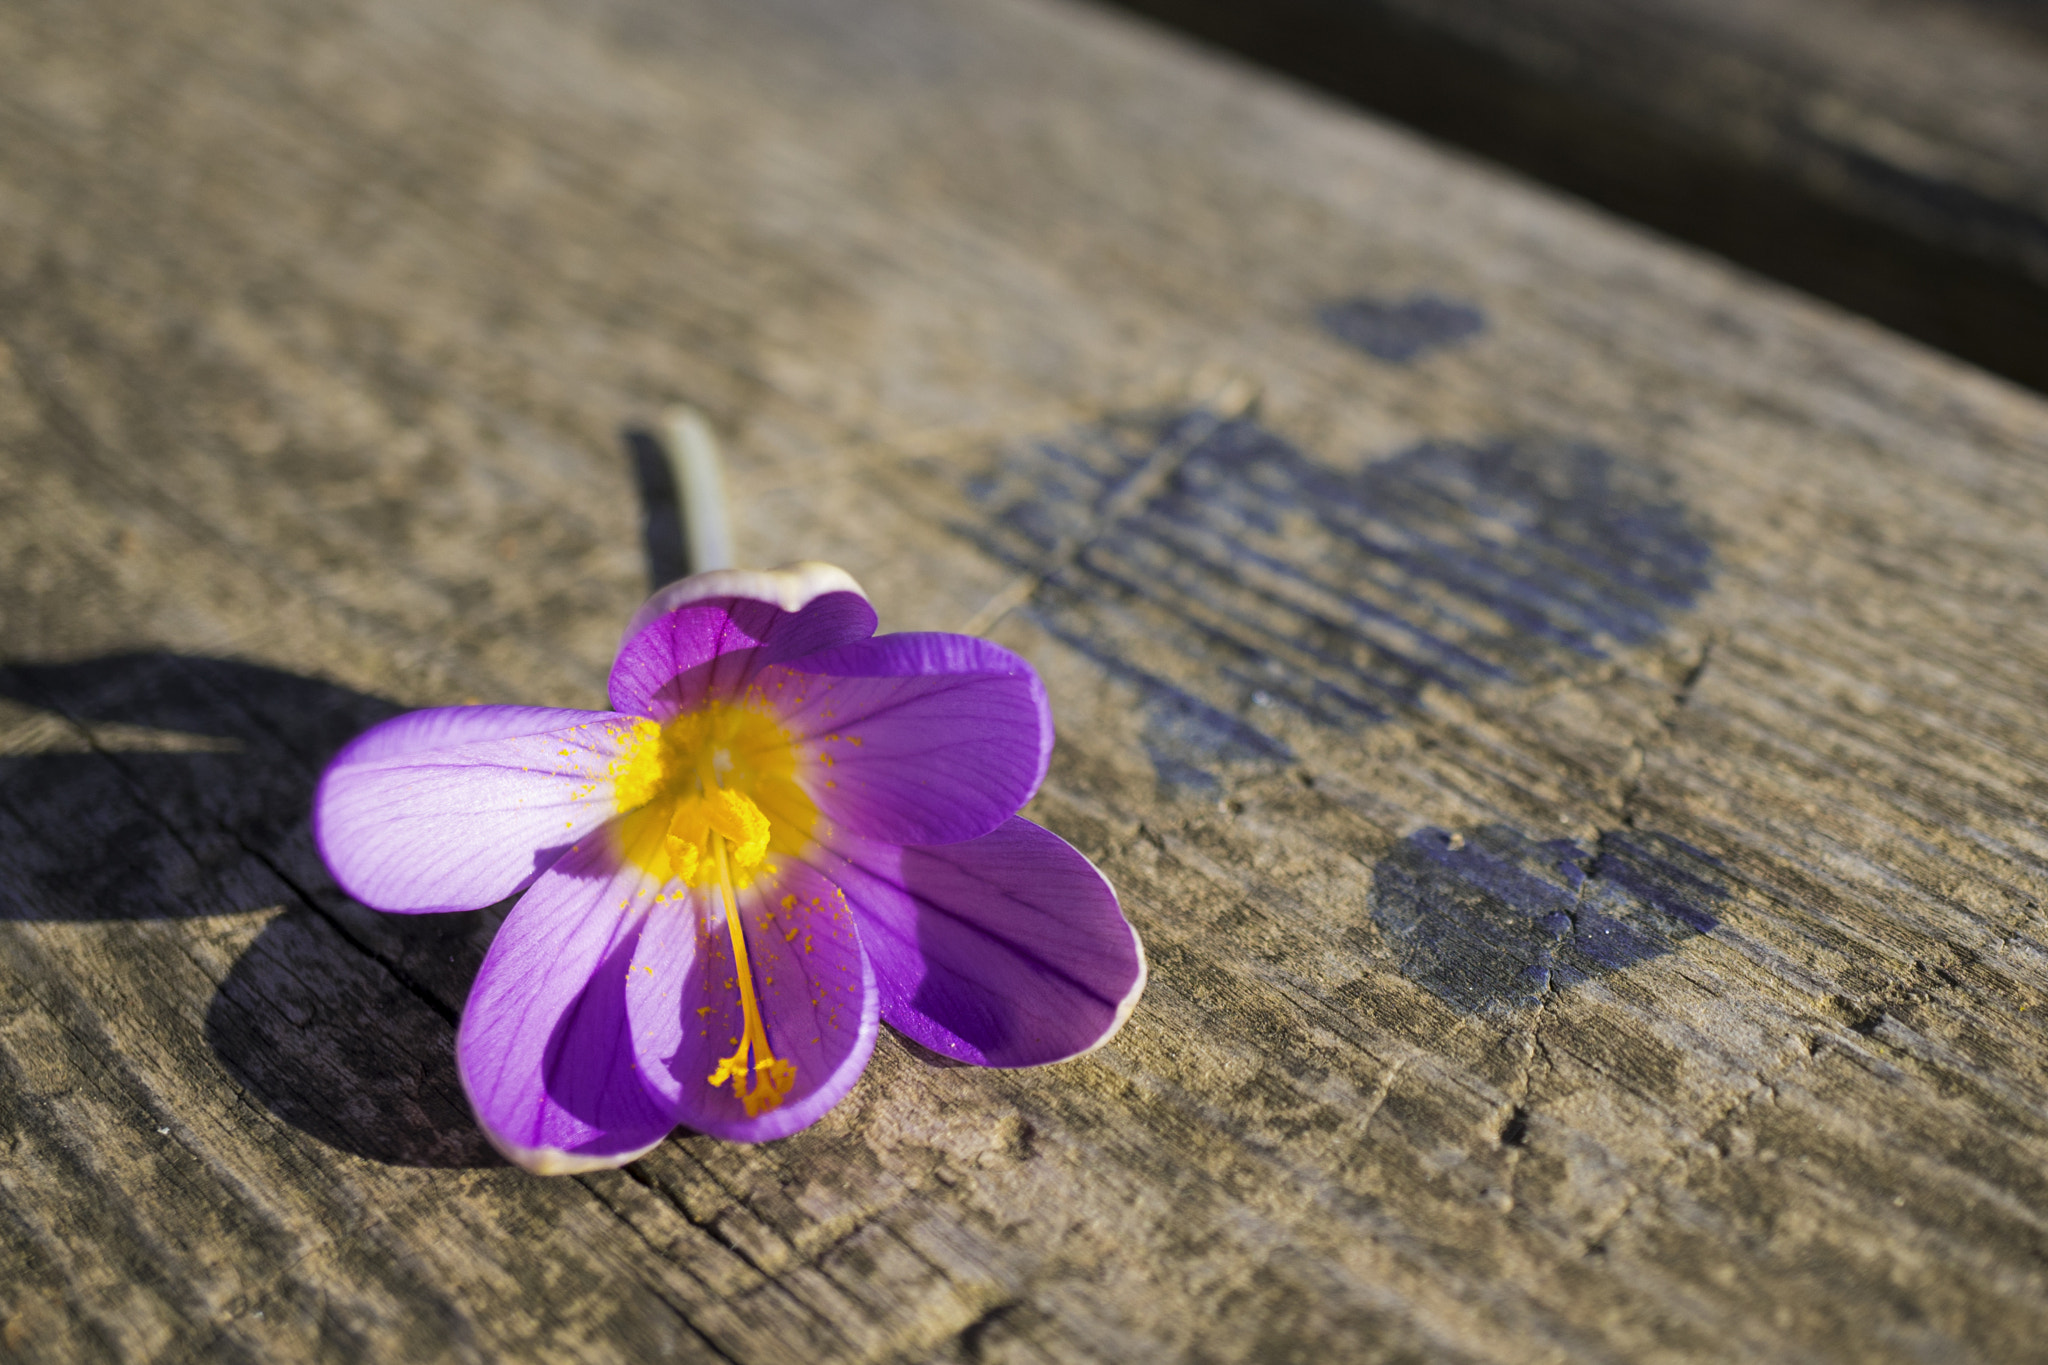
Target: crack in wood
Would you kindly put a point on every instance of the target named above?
(449, 1016)
(1520, 1106)
(1681, 698)
(681, 1312)
(1379, 1095)
(771, 1280)
(973, 1338)
(637, 1172)
(139, 793)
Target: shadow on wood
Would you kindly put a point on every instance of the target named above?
(1717, 133)
(184, 793)
(662, 534)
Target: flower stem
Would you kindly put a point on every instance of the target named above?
(700, 490)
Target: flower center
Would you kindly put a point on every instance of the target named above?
(706, 799)
(726, 769)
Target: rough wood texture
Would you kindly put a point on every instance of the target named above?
(1890, 155)
(1573, 748)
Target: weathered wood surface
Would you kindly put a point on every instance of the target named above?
(1573, 749)
(1890, 155)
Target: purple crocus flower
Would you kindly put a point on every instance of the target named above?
(783, 832)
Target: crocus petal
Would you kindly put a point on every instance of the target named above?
(546, 1048)
(1007, 950)
(706, 635)
(915, 739)
(816, 993)
(456, 808)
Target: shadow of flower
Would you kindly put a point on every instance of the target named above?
(162, 786)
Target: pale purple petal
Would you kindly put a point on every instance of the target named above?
(706, 635)
(457, 808)
(915, 739)
(816, 992)
(546, 1048)
(1007, 950)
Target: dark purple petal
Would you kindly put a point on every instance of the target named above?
(1007, 950)
(546, 1048)
(456, 808)
(816, 992)
(706, 635)
(916, 739)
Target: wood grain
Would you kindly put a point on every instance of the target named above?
(1564, 717)
(1883, 154)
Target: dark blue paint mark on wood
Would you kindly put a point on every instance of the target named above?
(1489, 921)
(1183, 733)
(1401, 332)
(1256, 582)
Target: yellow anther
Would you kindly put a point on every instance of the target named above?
(687, 832)
(728, 768)
(721, 811)
(746, 830)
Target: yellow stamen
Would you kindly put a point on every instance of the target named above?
(727, 768)
(773, 1077)
(706, 800)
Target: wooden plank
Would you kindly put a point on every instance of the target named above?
(1571, 744)
(1884, 154)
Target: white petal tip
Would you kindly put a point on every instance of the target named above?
(554, 1161)
(1125, 1006)
(791, 587)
